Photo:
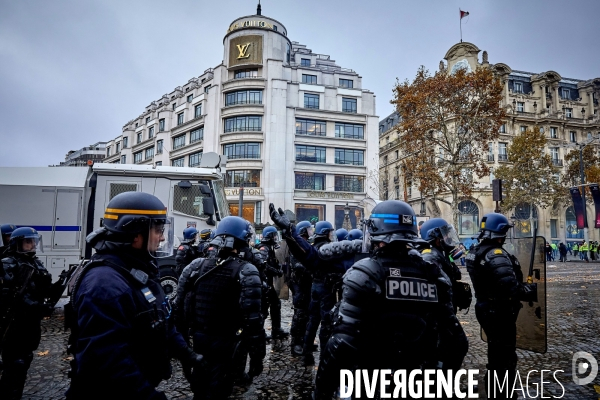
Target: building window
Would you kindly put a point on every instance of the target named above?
(147, 119)
(139, 137)
(242, 150)
(136, 124)
(125, 142)
(137, 157)
(118, 147)
(149, 153)
(348, 105)
(349, 131)
(108, 152)
(195, 159)
(196, 135)
(349, 183)
(554, 154)
(523, 128)
(490, 156)
(161, 125)
(568, 113)
(179, 118)
(310, 127)
(245, 73)
(123, 159)
(573, 136)
(305, 62)
(310, 212)
(174, 106)
(310, 181)
(468, 218)
(159, 147)
(178, 162)
(349, 156)
(518, 87)
(502, 152)
(190, 98)
(198, 111)
(243, 177)
(178, 142)
(311, 100)
(566, 93)
(311, 79)
(355, 215)
(158, 164)
(288, 52)
(553, 132)
(243, 123)
(206, 89)
(502, 128)
(310, 153)
(243, 97)
(151, 132)
(346, 83)
(520, 106)
(248, 210)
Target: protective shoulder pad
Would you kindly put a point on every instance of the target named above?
(371, 268)
(248, 270)
(361, 281)
(495, 252)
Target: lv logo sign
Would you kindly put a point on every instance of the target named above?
(243, 49)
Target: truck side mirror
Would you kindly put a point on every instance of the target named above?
(208, 206)
(184, 184)
(205, 189)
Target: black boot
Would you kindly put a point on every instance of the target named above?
(276, 331)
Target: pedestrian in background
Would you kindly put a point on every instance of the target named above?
(583, 251)
(575, 249)
(562, 249)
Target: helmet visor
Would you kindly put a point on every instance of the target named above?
(449, 235)
(251, 236)
(310, 231)
(29, 244)
(161, 237)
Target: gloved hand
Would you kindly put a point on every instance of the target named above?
(191, 361)
(529, 292)
(281, 220)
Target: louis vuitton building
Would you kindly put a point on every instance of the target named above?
(297, 129)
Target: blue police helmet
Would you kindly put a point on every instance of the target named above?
(20, 236)
(190, 233)
(392, 217)
(269, 233)
(212, 234)
(428, 231)
(341, 234)
(7, 229)
(354, 234)
(495, 225)
(236, 227)
(304, 228)
(323, 228)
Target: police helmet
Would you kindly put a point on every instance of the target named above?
(269, 234)
(5, 231)
(212, 234)
(305, 228)
(190, 233)
(341, 234)
(132, 213)
(325, 229)
(392, 220)
(439, 228)
(235, 227)
(25, 241)
(354, 234)
(205, 234)
(494, 225)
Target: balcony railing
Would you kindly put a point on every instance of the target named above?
(310, 159)
(237, 102)
(314, 106)
(244, 129)
(490, 157)
(310, 133)
(557, 162)
(503, 157)
(242, 155)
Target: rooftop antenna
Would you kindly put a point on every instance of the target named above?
(258, 10)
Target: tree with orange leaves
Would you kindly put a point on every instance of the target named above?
(447, 121)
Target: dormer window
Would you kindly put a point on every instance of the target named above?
(566, 93)
(518, 87)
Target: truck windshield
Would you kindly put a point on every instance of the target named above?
(222, 204)
(188, 200)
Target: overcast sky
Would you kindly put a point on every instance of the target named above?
(73, 72)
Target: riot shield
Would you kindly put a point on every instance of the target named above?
(532, 331)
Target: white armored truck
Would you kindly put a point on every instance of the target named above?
(65, 204)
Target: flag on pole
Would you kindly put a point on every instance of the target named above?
(463, 13)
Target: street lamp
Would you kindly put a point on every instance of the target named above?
(347, 225)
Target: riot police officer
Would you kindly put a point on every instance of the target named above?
(341, 234)
(206, 235)
(270, 270)
(354, 234)
(24, 302)
(6, 230)
(324, 273)
(443, 239)
(188, 249)
(300, 284)
(222, 304)
(121, 330)
(378, 324)
(498, 282)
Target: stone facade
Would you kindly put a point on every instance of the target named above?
(565, 109)
(298, 130)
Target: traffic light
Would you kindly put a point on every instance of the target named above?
(497, 190)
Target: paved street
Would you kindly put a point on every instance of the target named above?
(573, 324)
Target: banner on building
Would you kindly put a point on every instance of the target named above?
(595, 189)
(579, 208)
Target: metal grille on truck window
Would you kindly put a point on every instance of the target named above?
(188, 201)
(118, 188)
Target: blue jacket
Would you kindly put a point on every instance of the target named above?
(125, 336)
(308, 255)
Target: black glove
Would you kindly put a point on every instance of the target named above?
(281, 220)
(530, 292)
(191, 361)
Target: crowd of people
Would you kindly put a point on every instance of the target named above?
(354, 290)
(583, 251)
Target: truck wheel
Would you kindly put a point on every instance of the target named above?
(169, 281)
